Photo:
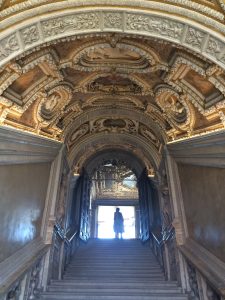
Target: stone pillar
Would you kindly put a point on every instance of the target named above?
(179, 218)
(72, 182)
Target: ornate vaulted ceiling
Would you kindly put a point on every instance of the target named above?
(114, 90)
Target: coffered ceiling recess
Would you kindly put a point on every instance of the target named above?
(114, 90)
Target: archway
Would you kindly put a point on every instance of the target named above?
(115, 177)
(107, 78)
(150, 18)
(114, 185)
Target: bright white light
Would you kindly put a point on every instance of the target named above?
(105, 221)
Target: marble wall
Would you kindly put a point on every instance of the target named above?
(203, 190)
(23, 190)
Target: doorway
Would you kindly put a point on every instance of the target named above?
(105, 221)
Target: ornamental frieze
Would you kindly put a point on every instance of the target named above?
(210, 8)
(50, 29)
(70, 23)
(115, 126)
(160, 26)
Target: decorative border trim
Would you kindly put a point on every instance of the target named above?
(66, 25)
(84, 147)
(205, 150)
(192, 9)
(212, 267)
(18, 263)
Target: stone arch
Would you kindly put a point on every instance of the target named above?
(155, 20)
(115, 112)
(141, 148)
(132, 161)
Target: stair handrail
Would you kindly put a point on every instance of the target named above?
(214, 288)
(210, 269)
(11, 287)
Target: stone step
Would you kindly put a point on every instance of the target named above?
(138, 256)
(115, 280)
(118, 283)
(64, 296)
(119, 267)
(118, 263)
(119, 290)
(110, 260)
(113, 270)
(112, 275)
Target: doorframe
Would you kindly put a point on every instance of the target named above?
(114, 202)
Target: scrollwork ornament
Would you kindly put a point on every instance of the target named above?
(214, 47)
(194, 37)
(174, 107)
(78, 134)
(30, 35)
(113, 20)
(51, 104)
(8, 46)
(114, 125)
(193, 282)
(70, 23)
(222, 57)
(34, 281)
(148, 134)
(160, 26)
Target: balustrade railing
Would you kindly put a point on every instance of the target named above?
(29, 282)
(200, 286)
(199, 283)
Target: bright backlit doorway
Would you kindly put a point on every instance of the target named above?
(105, 221)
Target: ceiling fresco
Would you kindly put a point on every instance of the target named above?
(112, 90)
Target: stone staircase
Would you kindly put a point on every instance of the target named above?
(113, 270)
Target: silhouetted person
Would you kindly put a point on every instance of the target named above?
(118, 224)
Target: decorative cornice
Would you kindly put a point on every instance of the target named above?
(19, 147)
(175, 5)
(207, 150)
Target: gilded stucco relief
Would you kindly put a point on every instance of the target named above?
(113, 84)
(147, 76)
